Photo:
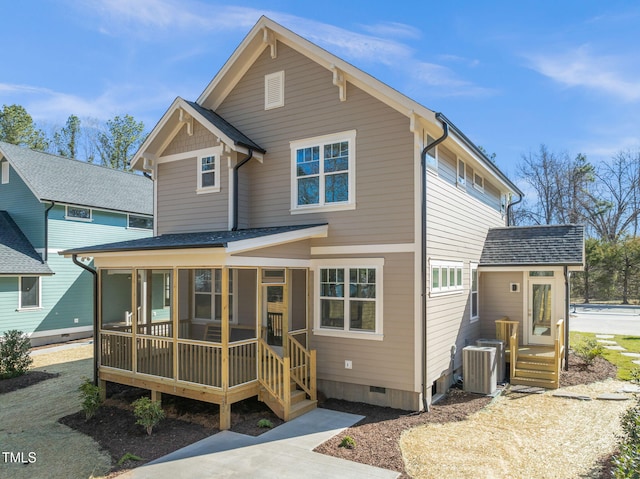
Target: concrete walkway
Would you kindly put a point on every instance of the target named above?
(284, 452)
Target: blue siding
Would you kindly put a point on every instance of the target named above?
(25, 209)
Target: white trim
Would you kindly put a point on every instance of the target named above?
(364, 249)
(320, 141)
(274, 85)
(215, 153)
(336, 333)
(419, 332)
(461, 181)
(55, 332)
(29, 308)
(5, 172)
(76, 218)
(321, 231)
(448, 289)
(479, 186)
(129, 215)
(473, 319)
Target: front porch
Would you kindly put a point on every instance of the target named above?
(215, 334)
(532, 365)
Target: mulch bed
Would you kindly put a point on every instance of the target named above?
(582, 373)
(24, 381)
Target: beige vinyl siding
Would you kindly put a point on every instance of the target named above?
(457, 225)
(497, 300)
(388, 363)
(182, 142)
(294, 250)
(384, 146)
(180, 209)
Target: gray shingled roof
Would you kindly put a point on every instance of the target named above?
(59, 179)
(227, 128)
(17, 255)
(210, 239)
(534, 245)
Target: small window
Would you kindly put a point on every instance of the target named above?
(79, 214)
(273, 276)
(208, 174)
(473, 299)
(29, 292)
(140, 222)
(5, 172)
(432, 155)
(274, 90)
(446, 276)
(478, 182)
(462, 174)
(540, 273)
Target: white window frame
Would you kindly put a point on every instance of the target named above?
(67, 216)
(361, 263)
(461, 180)
(21, 307)
(444, 287)
(432, 156)
(322, 205)
(129, 215)
(5, 172)
(474, 267)
(214, 153)
(213, 294)
(478, 185)
(274, 83)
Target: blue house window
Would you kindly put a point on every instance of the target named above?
(29, 292)
(140, 222)
(77, 213)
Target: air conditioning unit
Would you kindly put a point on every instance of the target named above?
(501, 366)
(479, 369)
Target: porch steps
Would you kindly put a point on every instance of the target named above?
(532, 370)
(299, 403)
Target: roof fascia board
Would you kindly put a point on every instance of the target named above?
(242, 246)
(525, 267)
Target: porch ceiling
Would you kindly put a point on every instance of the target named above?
(231, 241)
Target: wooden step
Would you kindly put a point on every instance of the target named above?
(541, 383)
(297, 396)
(301, 408)
(535, 374)
(535, 365)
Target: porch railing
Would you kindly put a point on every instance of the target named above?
(507, 331)
(242, 362)
(303, 367)
(274, 373)
(200, 363)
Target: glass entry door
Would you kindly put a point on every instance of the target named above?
(541, 328)
(273, 317)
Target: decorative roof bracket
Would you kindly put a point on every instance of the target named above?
(269, 38)
(340, 81)
(186, 118)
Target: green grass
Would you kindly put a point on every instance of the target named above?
(623, 363)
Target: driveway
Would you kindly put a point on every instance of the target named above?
(605, 319)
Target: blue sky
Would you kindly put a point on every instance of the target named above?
(510, 74)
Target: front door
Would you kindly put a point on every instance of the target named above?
(541, 308)
(273, 316)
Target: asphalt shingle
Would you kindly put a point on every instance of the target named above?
(17, 255)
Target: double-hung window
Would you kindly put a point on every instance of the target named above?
(30, 297)
(473, 300)
(323, 173)
(350, 301)
(446, 276)
(209, 173)
(207, 293)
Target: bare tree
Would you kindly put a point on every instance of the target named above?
(540, 172)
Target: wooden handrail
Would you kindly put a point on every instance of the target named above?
(274, 374)
(303, 367)
(559, 349)
(507, 331)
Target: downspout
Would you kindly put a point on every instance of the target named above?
(423, 246)
(46, 231)
(567, 303)
(509, 208)
(74, 257)
(236, 194)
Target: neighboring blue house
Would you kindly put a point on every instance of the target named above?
(48, 204)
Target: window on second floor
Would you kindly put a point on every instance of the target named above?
(446, 276)
(208, 173)
(77, 213)
(5, 172)
(432, 155)
(140, 222)
(462, 174)
(323, 173)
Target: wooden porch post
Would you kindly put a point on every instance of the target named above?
(175, 319)
(285, 312)
(134, 320)
(225, 407)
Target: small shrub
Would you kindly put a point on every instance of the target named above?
(14, 354)
(148, 412)
(265, 423)
(627, 461)
(635, 376)
(91, 398)
(129, 457)
(348, 442)
(588, 350)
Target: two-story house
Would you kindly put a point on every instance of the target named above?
(50, 203)
(315, 230)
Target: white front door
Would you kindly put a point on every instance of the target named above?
(541, 310)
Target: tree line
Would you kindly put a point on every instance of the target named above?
(111, 143)
(604, 197)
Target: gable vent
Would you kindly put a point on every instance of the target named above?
(274, 90)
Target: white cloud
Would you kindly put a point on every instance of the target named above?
(393, 29)
(581, 68)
